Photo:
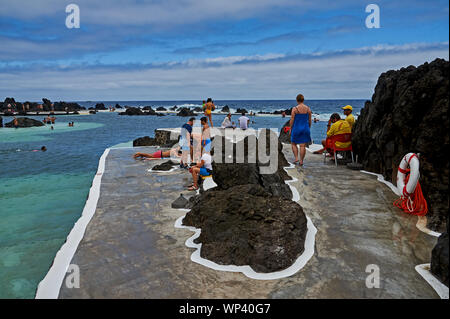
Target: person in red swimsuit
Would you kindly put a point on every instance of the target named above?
(158, 154)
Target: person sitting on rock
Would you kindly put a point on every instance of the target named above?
(174, 152)
(203, 168)
(335, 126)
(227, 122)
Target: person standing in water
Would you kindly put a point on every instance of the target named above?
(300, 125)
(209, 107)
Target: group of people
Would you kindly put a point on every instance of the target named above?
(49, 120)
(243, 121)
(300, 129)
(197, 146)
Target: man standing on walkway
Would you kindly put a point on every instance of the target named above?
(186, 142)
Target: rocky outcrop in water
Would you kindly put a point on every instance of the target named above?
(439, 258)
(161, 108)
(246, 225)
(47, 106)
(162, 138)
(409, 113)
(185, 111)
(226, 109)
(24, 122)
(100, 106)
(249, 218)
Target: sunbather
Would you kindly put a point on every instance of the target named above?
(174, 152)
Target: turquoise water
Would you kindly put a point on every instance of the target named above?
(42, 194)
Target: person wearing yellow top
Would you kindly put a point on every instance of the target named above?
(208, 108)
(339, 127)
(335, 126)
(348, 112)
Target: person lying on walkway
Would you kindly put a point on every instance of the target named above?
(203, 168)
(300, 132)
(349, 116)
(335, 126)
(227, 122)
(174, 152)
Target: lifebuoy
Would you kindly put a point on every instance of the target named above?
(412, 161)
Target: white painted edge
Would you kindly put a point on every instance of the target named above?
(421, 220)
(247, 270)
(441, 289)
(49, 287)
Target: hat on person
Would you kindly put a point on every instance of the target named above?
(348, 107)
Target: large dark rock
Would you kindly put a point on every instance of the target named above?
(166, 166)
(246, 225)
(229, 173)
(226, 109)
(185, 111)
(162, 138)
(25, 122)
(409, 113)
(285, 137)
(132, 111)
(100, 106)
(161, 108)
(239, 110)
(439, 258)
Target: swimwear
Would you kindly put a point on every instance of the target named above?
(206, 145)
(205, 172)
(157, 154)
(300, 131)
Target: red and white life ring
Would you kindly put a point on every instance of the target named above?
(409, 164)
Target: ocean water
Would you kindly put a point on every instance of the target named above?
(42, 194)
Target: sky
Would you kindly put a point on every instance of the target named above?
(225, 49)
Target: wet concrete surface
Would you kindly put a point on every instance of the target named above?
(131, 248)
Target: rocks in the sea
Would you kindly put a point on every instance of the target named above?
(24, 122)
(23, 108)
(92, 112)
(239, 110)
(226, 109)
(185, 111)
(100, 106)
(409, 113)
(198, 109)
(117, 106)
(161, 108)
(162, 138)
(174, 108)
(246, 225)
(180, 202)
(439, 258)
(287, 111)
(166, 166)
(147, 110)
(132, 111)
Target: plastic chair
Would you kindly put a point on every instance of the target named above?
(342, 138)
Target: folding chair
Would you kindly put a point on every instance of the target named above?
(342, 138)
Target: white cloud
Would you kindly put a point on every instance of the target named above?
(352, 74)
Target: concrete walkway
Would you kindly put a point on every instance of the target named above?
(131, 248)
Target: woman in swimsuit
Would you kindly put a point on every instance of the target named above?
(300, 125)
(209, 107)
(158, 154)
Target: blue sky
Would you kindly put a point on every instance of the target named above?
(234, 49)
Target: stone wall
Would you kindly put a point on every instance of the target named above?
(409, 113)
